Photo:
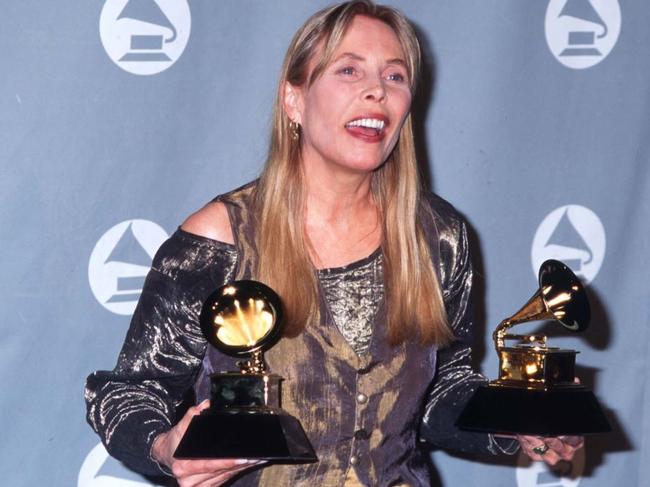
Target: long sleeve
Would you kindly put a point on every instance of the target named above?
(456, 380)
(161, 356)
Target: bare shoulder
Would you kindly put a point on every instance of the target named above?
(210, 221)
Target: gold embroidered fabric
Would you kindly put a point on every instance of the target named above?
(353, 294)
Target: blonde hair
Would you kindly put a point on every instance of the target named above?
(415, 305)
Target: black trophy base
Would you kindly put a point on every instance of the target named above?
(554, 412)
(258, 435)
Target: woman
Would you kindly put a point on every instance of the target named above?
(373, 272)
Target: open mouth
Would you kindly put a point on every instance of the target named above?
(367, 128)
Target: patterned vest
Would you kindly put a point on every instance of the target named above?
(359, 412)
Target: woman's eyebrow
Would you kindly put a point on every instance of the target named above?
(398, 61)
(349, 55)
(357, 57)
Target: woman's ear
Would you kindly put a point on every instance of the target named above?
(292, 102)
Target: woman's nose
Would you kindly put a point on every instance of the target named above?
(375, 91)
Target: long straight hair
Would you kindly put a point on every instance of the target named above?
(414, 300)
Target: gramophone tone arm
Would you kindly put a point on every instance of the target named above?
(540, 340)
(499, 334)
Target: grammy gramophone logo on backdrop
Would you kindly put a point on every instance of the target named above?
(101, 470)
(581, 33)
(574, 235)
(120, 261)
(145, 36)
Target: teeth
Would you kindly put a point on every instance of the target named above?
(372, 123)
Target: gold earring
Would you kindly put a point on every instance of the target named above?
(294, 128)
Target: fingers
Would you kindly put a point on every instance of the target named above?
(165, 444)
(210, 479)
(562, 450)
(551, 450)
(179, 429)
(205, 404)
(575, 441)
(200, 472)
(184, 468)
(537, 449)
(191, 412)
(204, 473)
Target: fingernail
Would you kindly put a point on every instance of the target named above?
(248, 461)
(245, 461)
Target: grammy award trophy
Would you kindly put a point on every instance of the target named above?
(536, 392)
(243, 319)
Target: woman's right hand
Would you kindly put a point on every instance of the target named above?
(195, 473)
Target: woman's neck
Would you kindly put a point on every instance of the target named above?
(341, 219)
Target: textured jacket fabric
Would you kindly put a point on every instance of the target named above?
(362, 412)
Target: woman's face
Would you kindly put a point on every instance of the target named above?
(352, 114)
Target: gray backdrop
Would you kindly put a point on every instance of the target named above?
(118, 119)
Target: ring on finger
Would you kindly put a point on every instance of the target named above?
(540, 450)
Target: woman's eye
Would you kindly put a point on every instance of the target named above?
(399, 77)
(348, 70)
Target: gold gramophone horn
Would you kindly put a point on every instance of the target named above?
(560, 297)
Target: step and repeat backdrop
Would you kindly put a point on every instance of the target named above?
(118, 118)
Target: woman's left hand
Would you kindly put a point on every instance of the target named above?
(551, 450)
